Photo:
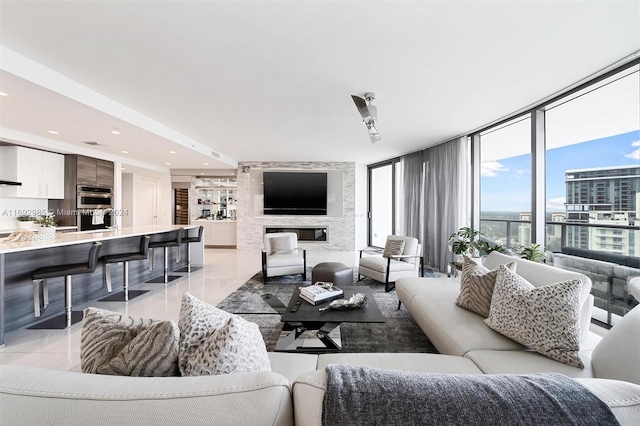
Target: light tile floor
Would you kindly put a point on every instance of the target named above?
(225, 270)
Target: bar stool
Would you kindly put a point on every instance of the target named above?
(165, 245)
(41, 275)
(190, 240)
(125, 258)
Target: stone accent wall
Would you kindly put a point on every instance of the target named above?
(341, 234)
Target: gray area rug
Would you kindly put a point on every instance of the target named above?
(399, 333)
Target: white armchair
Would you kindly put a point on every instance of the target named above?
(387, 270)
(281, 256)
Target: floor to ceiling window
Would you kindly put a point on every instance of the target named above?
(592, 151)
(384, 181)
(586, 158)
(593, 183)
(505, 183)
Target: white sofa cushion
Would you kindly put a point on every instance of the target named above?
(408, 288)
(545, 318)
(379, 264)
(425, 363)
(617, 356)
(526, 362)
(285, 260)
(454, 330)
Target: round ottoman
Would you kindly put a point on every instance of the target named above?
(335, 272)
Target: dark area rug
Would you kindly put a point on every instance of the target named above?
(263, 303)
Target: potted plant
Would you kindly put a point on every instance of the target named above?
(534, 252)
(25, 221)
(47, 224)
(485, 247)
(464, 241)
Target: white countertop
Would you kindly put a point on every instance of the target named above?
(70, 238)
(214, 221)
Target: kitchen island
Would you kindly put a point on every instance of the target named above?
(19, 259)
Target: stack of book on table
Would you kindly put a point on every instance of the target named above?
(320, 292)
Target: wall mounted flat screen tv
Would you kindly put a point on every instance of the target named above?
(295, 193)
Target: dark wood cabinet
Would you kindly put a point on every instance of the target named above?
(86, 170)
(91, 171)
(104, 173)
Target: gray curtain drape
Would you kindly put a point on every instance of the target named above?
(435, 199)
(412, 219)
(446, 201)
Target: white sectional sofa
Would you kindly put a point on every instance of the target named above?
(456, 331)
(293, 392)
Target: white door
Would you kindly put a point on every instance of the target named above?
(146, 202)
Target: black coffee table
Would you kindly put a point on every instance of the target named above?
(297, 335)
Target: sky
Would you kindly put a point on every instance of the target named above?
(506, 183)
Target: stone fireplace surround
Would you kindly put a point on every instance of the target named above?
(340, 222)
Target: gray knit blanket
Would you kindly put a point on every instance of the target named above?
(368, 396)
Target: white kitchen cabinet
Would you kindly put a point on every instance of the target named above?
(53, 175)
(220, 233)
(41, 173)
(230, 233)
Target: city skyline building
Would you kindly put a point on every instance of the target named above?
(604, 196)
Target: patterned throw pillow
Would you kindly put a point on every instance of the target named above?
(213, 341)
(393, 248)
(476, 286)
(281, 245)
(118, 344)
(546, 319)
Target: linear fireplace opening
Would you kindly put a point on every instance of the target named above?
(303, 233)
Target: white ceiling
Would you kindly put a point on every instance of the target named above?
(271, 81)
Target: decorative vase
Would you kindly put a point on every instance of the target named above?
(25, 225)
(47, 230)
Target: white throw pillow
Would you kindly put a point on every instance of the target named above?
(213, 341)
(393, 247)
(281, 245)
(476, 286)
(546, 319)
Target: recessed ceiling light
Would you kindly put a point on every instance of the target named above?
(206, 164)
(124, 152)
(201, 173)
(172, 152)
(116, 131)
(3, 94)
(53, 132)
(168, 164)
